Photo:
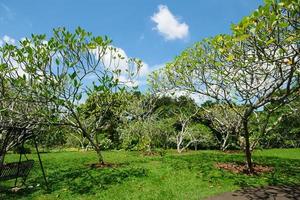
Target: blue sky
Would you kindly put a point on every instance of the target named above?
(152, 30)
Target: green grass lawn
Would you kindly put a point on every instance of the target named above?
(191, 175)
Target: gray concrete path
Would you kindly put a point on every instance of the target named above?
(264, 193)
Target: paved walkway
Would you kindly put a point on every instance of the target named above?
(264, 193)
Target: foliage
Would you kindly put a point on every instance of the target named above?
(204, 136)
(102, 113)
(256, 65)
(224, 121)
(52, 137)
(51, 77)
(285, 130)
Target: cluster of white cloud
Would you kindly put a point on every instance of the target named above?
(116, 58)
(169, 25)
(7, 39)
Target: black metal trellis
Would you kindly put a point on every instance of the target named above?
(41, 163)
(21, 168)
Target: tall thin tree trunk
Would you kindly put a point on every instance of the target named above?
(178, 148)
(179, 141)
(247, 147)
(99, 154)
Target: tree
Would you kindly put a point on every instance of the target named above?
(285, 126)
(247, 68)
(224, 121)
(19, 111)
(139, 128)
(52, 136)
(102, 111)
(53, 76)
(184, 115)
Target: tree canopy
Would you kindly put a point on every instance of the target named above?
(248, 67)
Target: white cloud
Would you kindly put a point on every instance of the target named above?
(126, 81)
(145, 70)
(169, 25)
(116, 58)
(7, 39)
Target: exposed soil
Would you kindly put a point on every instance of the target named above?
(103, 165)
(242, 168)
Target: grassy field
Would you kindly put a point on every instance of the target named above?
(191, 175)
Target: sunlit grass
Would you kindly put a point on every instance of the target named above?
(191, 175)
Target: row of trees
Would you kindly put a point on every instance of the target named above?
(68, 88)
(148, 122)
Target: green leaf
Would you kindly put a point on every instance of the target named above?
(242, 37)
(79, 96)
(57, 61)
(230, 57)
(73, 75)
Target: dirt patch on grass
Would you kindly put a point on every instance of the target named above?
(241, 168)
(103, 165)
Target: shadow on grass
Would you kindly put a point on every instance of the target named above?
(91, 180)
(78, 181)
(8, 191)
(286, 171)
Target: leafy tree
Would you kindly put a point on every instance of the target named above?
(52, 75)
(224, 121)
(204, 137)
(102, 111)
(285, 126)
(139, 124)
(52, 136)
(247, 68)
(184, 114)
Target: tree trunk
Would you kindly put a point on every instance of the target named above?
(2, 159)
(88, 137)
(96, 147)
(178, 148)
(224, 144)
(247, 147)
(99, 154)
(179, 141)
